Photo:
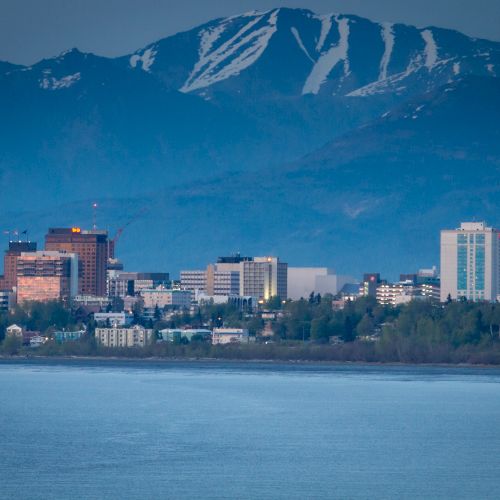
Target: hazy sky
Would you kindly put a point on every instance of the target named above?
(33, 29)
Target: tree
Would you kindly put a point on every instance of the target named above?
(157, 313)
(11, 345)
(273, 303)
(319, 329)
(366, 326)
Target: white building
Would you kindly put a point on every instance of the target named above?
(114, 318)
(14, 331)
(302, 281)
(230, 336)
(470, 261)
(393, 294)
(136, 336)
(164, 297)
(37, 341)
(119, 283)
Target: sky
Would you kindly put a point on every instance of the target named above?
(33, 29)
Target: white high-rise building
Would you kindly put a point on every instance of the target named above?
(470, 262)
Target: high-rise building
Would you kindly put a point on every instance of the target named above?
(15, 249)
(45, 275)
(264, 277)
(470, 262)
(92, 250)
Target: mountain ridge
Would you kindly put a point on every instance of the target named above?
(243, 158)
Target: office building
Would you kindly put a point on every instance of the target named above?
(194, 281)
(120, 283)
(302, 281)
(9, 279)
(470, 262)
(264, 277)
(92, 250)
(146, 281)
(393, 294)
(369, 285)
(136, 336)
(46, 275)
(166, 298)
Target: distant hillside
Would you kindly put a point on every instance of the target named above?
(205, 128)
(373, 199)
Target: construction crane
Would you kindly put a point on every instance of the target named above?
(112, 242)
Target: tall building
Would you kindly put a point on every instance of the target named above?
(92, 250)
(470, 262)
(264, 277)
(45, 275)
(10, 261)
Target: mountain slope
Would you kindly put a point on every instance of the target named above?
(372, 200)
(249, 90)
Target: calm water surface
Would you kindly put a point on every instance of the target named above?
(137, 430)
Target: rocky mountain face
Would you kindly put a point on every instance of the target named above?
(396, 127)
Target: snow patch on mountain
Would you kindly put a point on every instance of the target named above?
(431, 50)
(381, 86)
(296, 34)
(388, 38)
(233, 56)
(326, 26)
(329, 59)
(147, 58)
(51, 83)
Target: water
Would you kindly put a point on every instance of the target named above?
(137, 430)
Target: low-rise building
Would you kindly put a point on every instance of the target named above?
(113, 318)
(37, 341)
(67, 336)
(136, 336)
(14, 331)
(396, 293)
(230, 336)
(166, 298)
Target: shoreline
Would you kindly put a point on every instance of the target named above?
(228, 361)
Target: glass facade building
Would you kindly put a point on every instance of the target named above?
(470, 262)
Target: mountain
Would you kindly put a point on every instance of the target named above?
(290, 52)
(373, 199)
(204, 128)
